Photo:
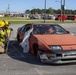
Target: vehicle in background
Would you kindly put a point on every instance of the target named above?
(51, 17)
(61, 17)
(48, 16)
(34, 16)
(56, 47)
(71, 17)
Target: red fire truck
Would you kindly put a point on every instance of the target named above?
(61, 17)
(71, 17)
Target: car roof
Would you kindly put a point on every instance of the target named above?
(39, 24)
(43, 24)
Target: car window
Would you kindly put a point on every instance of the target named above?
(23, 28)
(41, 29)
(27, 28)
(59, 30)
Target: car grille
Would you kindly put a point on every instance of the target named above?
(67, 55)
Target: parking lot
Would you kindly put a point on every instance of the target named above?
(14, 62)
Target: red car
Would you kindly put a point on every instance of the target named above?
(59, 46)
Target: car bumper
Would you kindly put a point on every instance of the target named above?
(58, 58)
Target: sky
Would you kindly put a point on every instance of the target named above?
(23, 5)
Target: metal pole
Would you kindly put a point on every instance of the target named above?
(61, 10)
(45, 11)
(64, 6)
(8, 10)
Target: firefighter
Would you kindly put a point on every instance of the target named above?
(6, 28)
(5, 33)
(2, 37)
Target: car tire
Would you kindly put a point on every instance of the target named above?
(18, 38)
(38, 54)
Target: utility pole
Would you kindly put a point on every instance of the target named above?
(61, 6)
(64, 8)
(61, 10)
(45, 11)
(33, 10)
(8, 10)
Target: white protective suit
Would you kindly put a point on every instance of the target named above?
(25, 42)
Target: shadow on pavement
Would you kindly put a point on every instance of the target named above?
(15, 52)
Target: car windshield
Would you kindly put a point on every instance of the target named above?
(44, 29)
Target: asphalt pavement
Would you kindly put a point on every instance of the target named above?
(15, 62)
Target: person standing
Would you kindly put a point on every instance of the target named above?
(2, 37)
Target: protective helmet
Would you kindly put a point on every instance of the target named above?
(6, 22)
(1, 24)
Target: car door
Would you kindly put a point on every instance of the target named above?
(25, 29)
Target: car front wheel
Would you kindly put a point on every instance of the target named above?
(35, 47)
(18, 38)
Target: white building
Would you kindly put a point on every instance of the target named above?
(1, 15)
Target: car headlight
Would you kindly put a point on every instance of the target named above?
(56, 48)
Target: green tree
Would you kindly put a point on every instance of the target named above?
(50, 11)
(75, 12)
(68, 11)
(27, 11)
(58, 11)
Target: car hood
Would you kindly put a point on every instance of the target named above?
(64, 39)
